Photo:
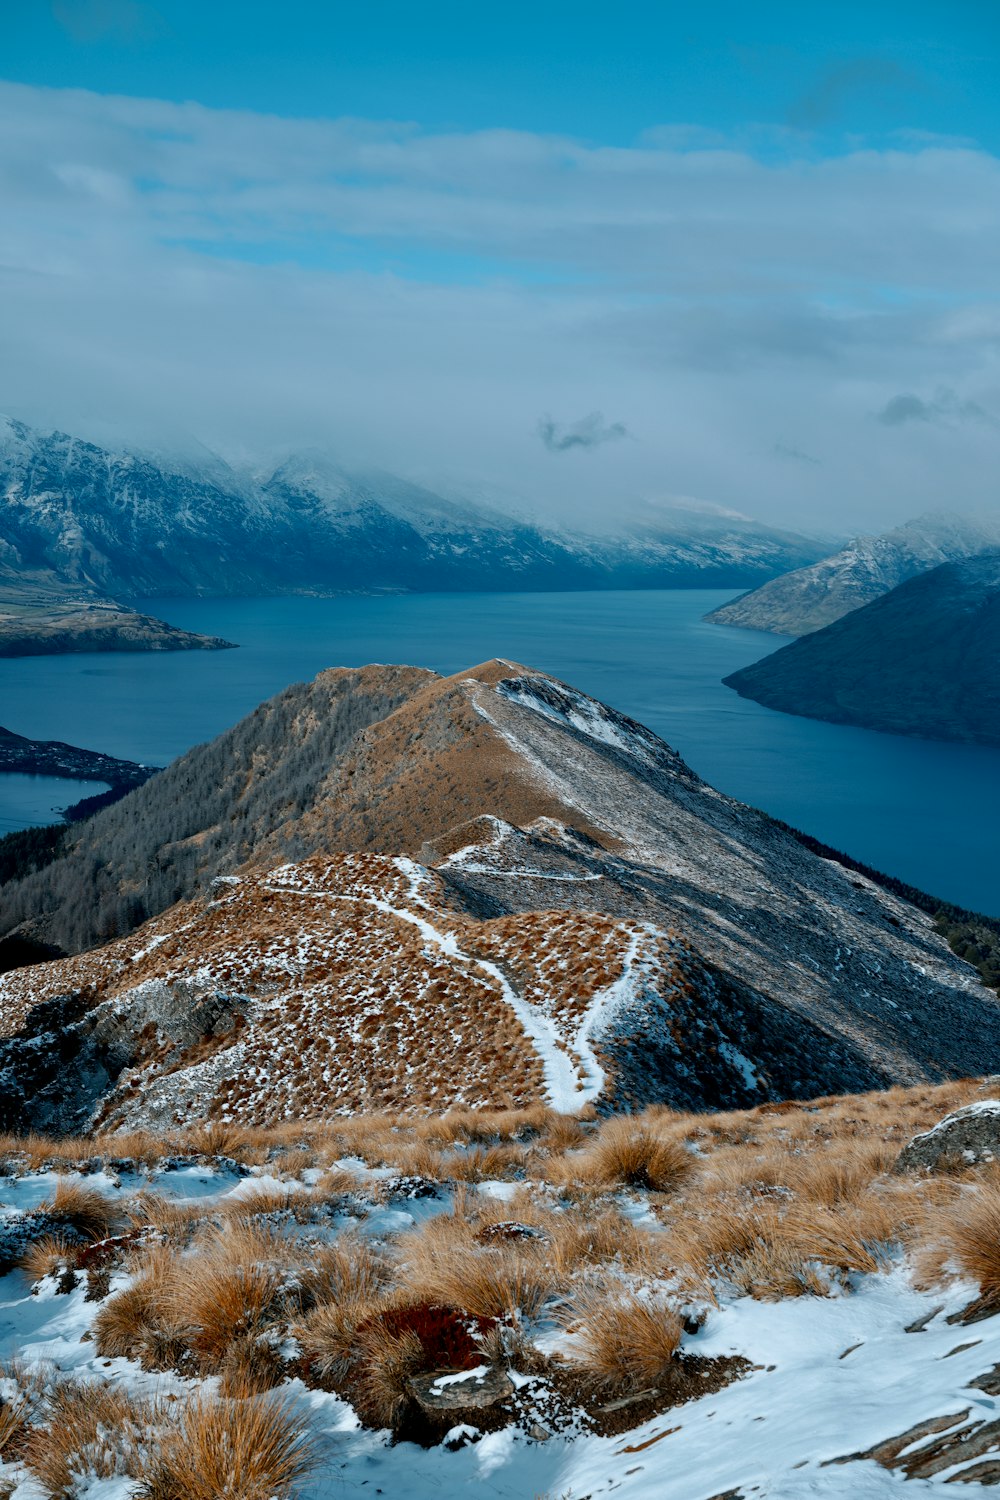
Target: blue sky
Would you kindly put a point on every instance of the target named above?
(757, 246)
(598, 71)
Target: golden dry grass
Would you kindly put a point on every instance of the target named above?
(621, 1339)
(253, 1448)
(47, 1256)
(387, 1362)
(970, 1233)
(91, 1429)
(82, 1208)
(635, 1152)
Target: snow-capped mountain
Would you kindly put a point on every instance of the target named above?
(129, 524)
(813, 597)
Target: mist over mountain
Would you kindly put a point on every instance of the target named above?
(121, 522)
(810, 598)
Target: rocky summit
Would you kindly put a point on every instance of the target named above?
(388, 889)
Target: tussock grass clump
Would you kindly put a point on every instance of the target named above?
(350, 1270)
(634, 1152)
(136, 1323)
(91, 1429)
(13, 1429)
(82, 1208)
(225, 1297)
(219, 1138)
(971, 1234)
(328, 1335)
(250, 1449)
(47, 1256)
(623, 1340)
(492, 1281)
(404, 1340)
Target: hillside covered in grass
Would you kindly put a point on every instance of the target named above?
(660, 1305)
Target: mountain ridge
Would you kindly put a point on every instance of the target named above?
(130, 525)
(920, 660)
(315, 902)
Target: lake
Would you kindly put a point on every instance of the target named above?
(925, 811)
(26, 801)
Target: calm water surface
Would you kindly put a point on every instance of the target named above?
(925, 811)
(28, 800)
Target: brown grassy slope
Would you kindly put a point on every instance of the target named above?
(432, 763)
(345, 1003)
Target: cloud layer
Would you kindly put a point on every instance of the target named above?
(416, 300)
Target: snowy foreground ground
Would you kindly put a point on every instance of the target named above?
(832, 1375)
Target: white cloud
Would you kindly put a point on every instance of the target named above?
(420, 299)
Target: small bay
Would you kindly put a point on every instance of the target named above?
(925, 811)
(27, 801)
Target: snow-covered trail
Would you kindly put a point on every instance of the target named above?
(568, 1085)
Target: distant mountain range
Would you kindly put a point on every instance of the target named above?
(77, 516)
(923, 660)
(402, 891)
(810, 598)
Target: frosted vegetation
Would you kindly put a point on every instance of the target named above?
(522, 1301)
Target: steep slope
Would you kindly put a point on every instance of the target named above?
(810, 598)
(130, 524)
(923, 660)
(499, 888)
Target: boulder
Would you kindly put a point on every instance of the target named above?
(969, 1135)
(461, 1390)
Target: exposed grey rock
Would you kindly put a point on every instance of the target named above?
(461, 1390)
(969, 1135)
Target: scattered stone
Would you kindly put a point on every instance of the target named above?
(988, 1382)
(460, 1437)
(509, 1229)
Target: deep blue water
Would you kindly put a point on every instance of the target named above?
(928, 812)
(29, 800)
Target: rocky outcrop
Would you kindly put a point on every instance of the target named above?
(969, 1135)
